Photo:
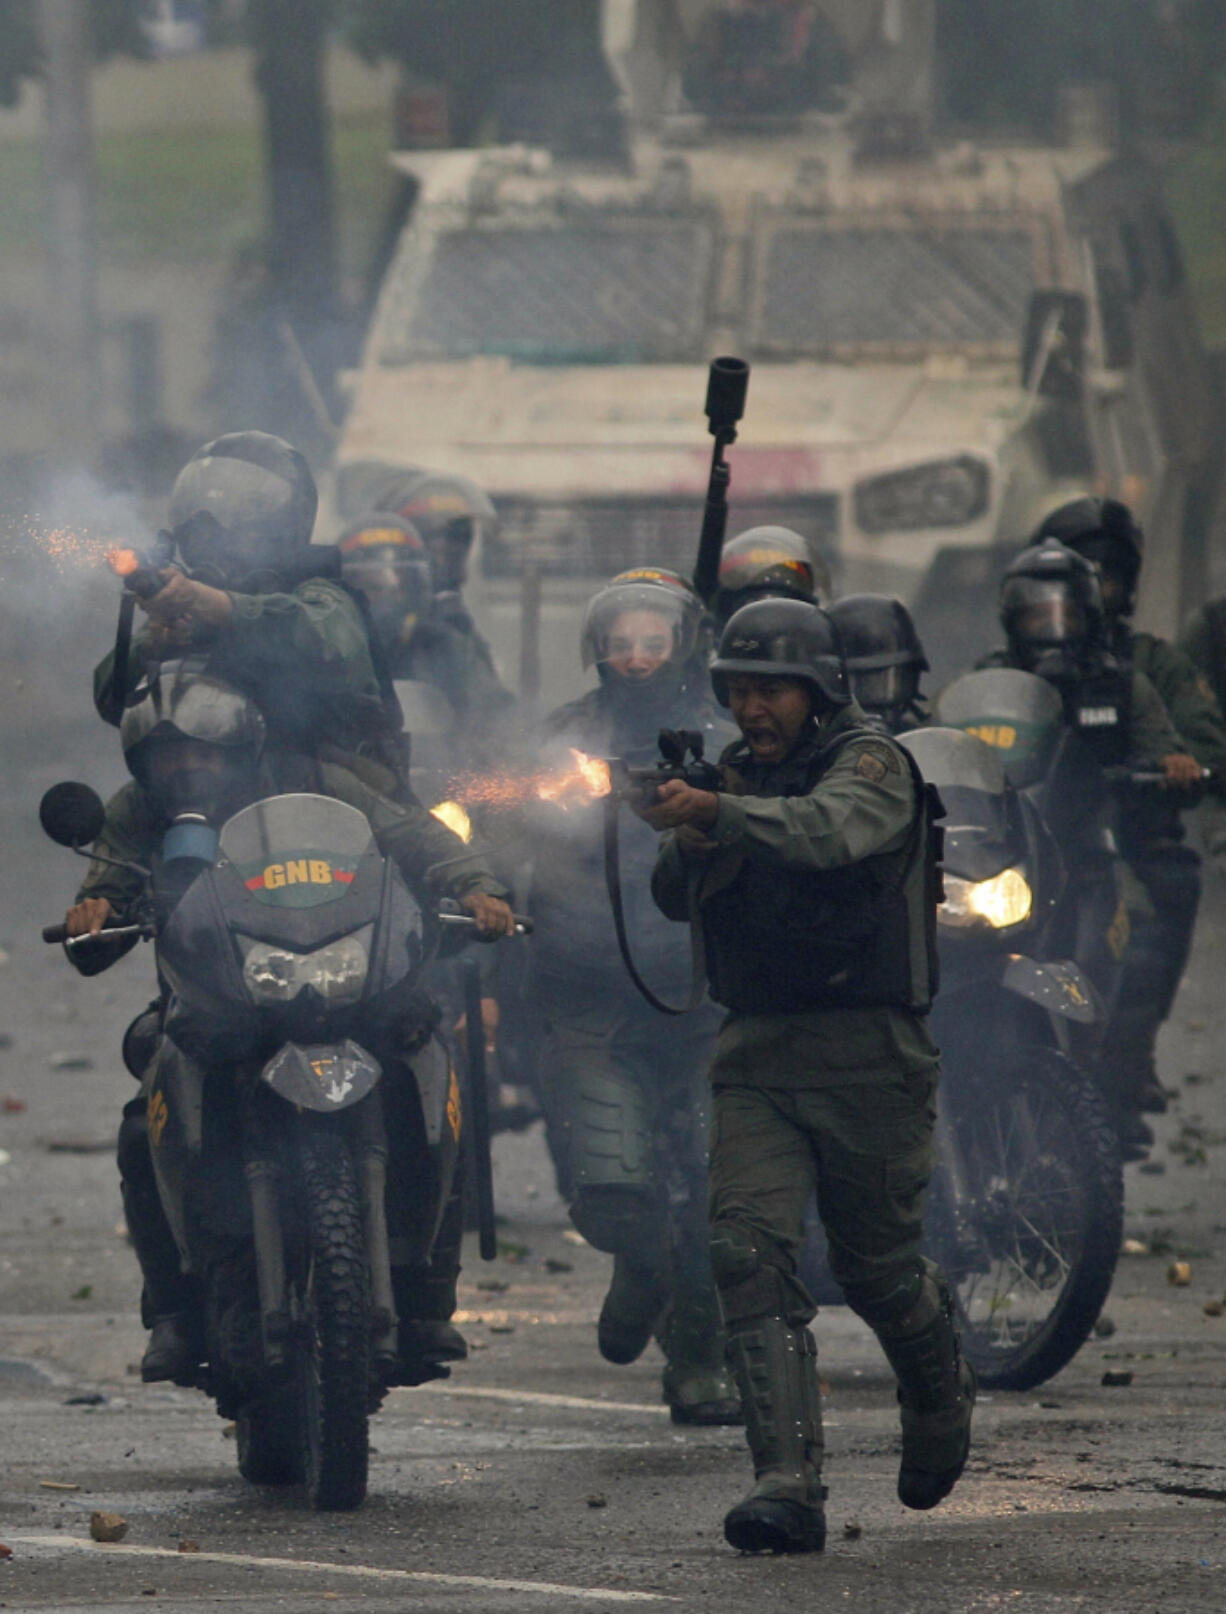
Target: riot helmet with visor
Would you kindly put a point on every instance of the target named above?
(883, 654)
(243, 504)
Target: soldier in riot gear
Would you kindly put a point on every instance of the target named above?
(768, 562)
(1105, 533)
(884, 659)
(622, 1087)
(1057, 626)
(814, 880)
(265, 606)
(387, 560)
(197, 749)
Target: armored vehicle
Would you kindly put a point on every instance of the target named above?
(946, 338)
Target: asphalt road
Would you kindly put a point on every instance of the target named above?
(541, 1477)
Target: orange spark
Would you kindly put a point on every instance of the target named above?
(123, 562)
(588, 779)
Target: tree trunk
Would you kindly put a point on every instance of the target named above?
(289, 38)
(74, 272)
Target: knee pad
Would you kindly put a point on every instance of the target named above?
(749, 1278)
(621, 1220)
(900, 1301)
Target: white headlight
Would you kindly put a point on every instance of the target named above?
(337, 972)
(1004, 900)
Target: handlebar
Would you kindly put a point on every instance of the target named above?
(53, 934)
(1147, 774)
(524, 925)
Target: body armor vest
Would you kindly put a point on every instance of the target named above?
(864, 935)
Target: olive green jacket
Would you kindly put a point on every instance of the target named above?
(427, 853)
(864, 805)
(303, 658)
(1186, 693)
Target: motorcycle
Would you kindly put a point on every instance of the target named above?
(294, 1045)
(1026, 1205)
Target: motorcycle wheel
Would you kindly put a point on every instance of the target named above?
(1041, 1222)
(334, 1422)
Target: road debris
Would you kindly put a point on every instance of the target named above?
(107, 1527)
(596, 1499)
(1116, 1378)
(58, 1485)
(1179, 1273)
(852, 1530)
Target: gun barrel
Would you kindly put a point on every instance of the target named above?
(727, 388)
(140, 572)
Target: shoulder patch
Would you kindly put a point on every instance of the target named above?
(874, 761)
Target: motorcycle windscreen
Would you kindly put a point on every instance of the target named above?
(297, 851)
(1017, 714)
(975, 791)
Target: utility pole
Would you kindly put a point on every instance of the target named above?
(73, 280)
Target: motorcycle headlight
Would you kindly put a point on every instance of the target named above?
(277, 975)
(1004, 900)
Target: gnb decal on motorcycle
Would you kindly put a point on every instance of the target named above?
(1098, 717)
(298, 882)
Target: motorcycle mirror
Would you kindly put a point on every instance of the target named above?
(72, 815)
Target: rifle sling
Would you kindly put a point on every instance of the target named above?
(698, 952)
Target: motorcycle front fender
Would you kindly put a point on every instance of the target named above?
(1059, 986)
(326, 1077)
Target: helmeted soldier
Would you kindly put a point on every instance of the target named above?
(622, 1086)
(884, 658)
(197, 751)
(813, 878)
(1056, 624)
(768, 563)
(388, 561)
(266, 608)
(1105, 533)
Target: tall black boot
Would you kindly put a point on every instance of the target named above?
(936, 1395)
(426, 1301)
(776, 1371)
(698, 1388)
(169, 1305)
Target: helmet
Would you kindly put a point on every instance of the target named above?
(384, 557)
(782, 639)
(448, 512)
(768, 562)
(192, 741)
(882, 650)
(243, 503)
(1105, 532)
(646, 594)
(1051, 602)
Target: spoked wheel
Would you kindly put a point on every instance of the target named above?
(335, 1350)
(1040, 1220)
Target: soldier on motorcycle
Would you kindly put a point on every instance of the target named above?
(198, 753)
(1056, 625)
(1104, 531)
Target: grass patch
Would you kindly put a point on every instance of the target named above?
(194, 196)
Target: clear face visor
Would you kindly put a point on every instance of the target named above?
(885, 688)
(1043, 615)
(391, 580)
(635, 629)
